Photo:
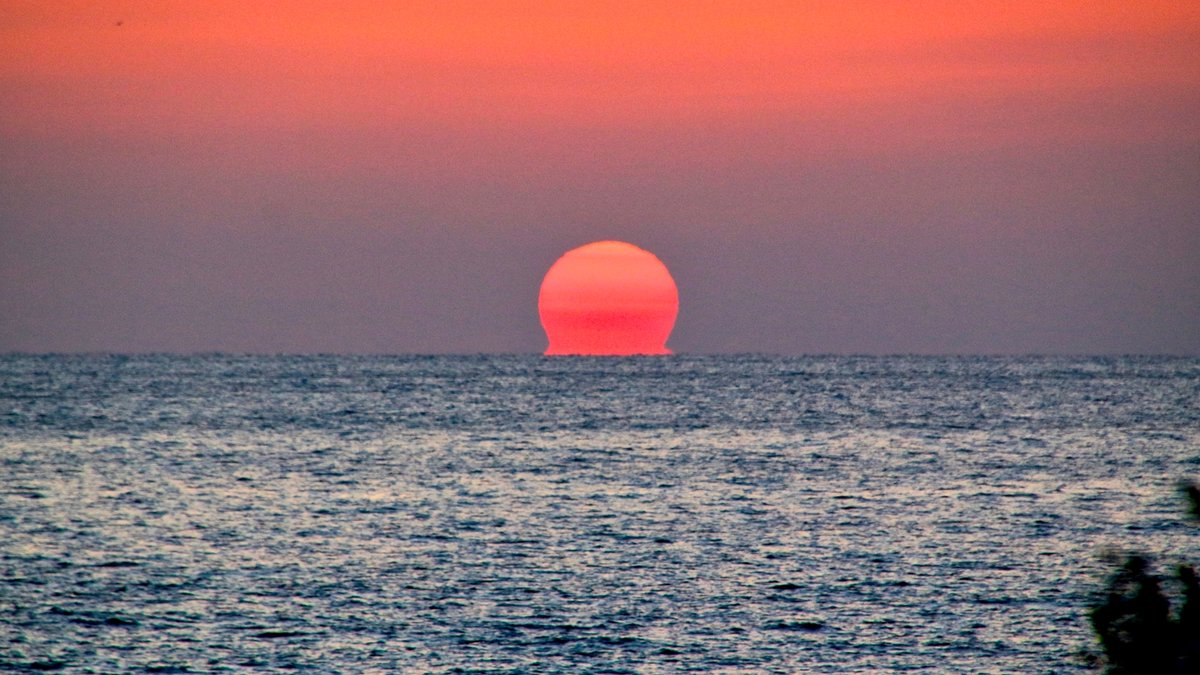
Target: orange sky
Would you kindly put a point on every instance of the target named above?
(840, 176)
(229, 67)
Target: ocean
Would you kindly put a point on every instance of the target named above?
(585, 515)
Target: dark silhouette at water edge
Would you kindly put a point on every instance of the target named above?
(1138, 631)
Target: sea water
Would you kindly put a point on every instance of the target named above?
(533, 514)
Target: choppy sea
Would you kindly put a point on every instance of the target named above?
(585, 515)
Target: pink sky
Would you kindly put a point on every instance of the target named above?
(880, 177)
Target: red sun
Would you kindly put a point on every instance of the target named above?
(608, 298)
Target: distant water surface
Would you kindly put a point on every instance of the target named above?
(532, 514)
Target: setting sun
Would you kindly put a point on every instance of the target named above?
(608, 298)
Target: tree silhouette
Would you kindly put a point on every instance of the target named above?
(1135, 625)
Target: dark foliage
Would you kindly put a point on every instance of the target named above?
(1192, 491)
(1137, 630)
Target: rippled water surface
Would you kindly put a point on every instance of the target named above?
(525, 514)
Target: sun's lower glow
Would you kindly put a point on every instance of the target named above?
(608, 298)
